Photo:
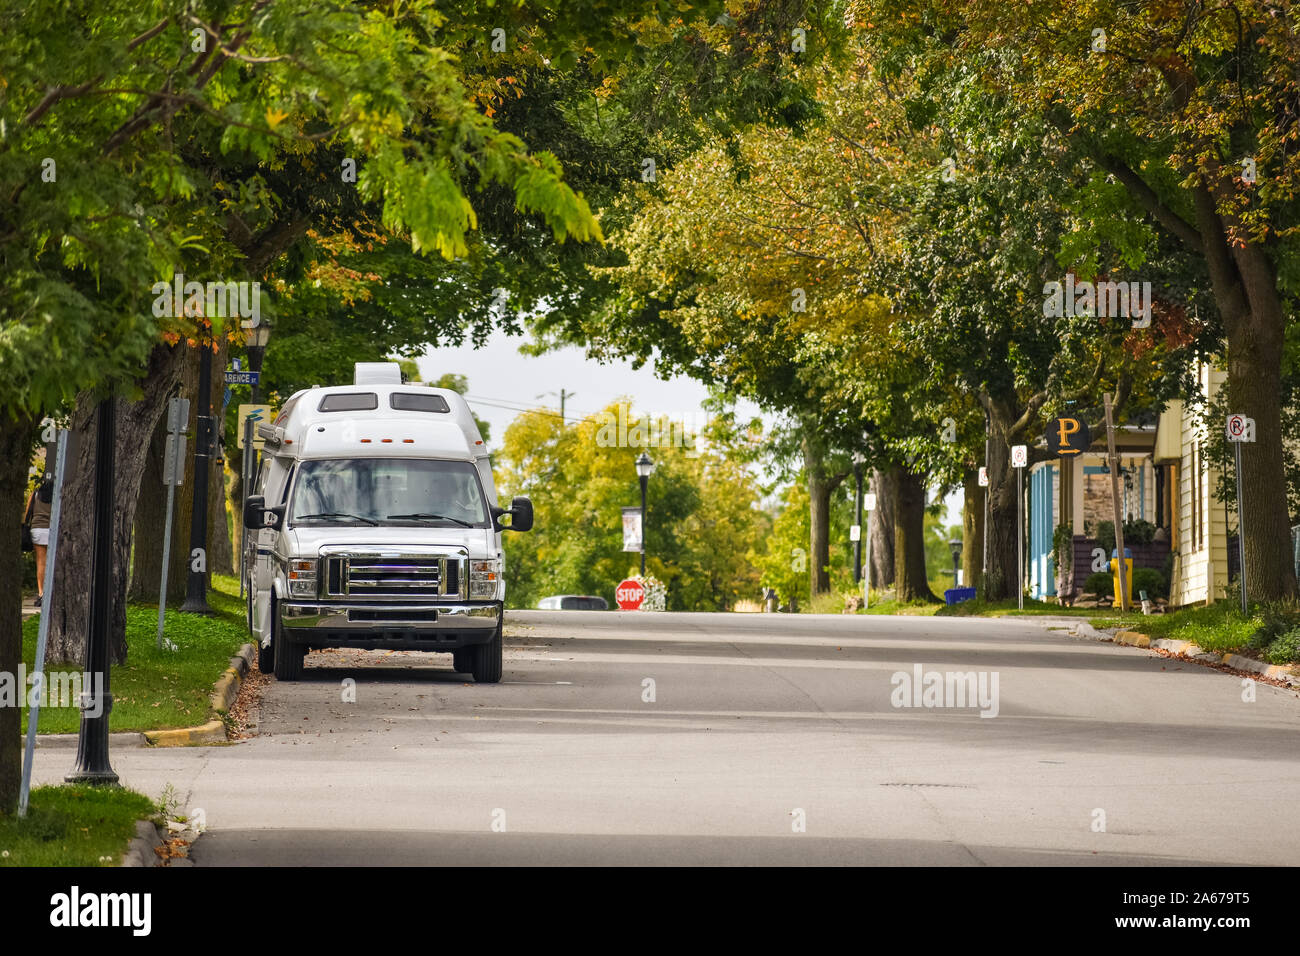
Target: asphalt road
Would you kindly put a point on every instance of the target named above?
(769, 739)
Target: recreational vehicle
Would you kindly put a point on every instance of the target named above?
(374, 523)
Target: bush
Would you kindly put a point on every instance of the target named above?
(1138, 532)
(1105, 536)
(1099, 583)
(1135, 532)
(1286, 649)
(1151, 581)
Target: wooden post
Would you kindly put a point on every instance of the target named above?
(1113, 460)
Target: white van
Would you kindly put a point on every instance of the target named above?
(374, 523)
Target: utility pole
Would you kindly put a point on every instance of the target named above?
(857, 520)
(1113, 460)
(196, 593)
(563, 393)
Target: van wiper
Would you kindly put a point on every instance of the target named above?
(433, 517)
(336, 514)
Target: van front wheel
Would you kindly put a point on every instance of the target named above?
(288, 657)
(485, 660)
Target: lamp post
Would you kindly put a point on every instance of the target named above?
(92, 764)
(954, 545)
(258, 336)
(644, 469)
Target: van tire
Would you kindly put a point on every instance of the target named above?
(288, 657)
(485, 660)
(265, 658)
(462, 661)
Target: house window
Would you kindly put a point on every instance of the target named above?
(1196, 496)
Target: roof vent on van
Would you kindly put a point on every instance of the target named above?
(377, 373)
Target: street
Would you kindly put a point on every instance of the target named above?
(644, 739)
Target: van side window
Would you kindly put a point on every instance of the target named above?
(414, 402)
(288, 480)
(349, 402)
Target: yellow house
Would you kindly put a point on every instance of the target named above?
(1199, 524)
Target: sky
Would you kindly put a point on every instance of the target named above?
(503, 382)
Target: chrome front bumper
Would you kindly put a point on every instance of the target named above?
(313, 622)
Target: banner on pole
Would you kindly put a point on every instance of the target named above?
(632, 529)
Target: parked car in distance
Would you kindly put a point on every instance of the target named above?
(573, 602)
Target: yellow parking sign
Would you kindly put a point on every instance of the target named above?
(261, 414)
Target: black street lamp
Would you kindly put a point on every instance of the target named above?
(954, 545)
(92, 764)
(644, 469)
(258, 336)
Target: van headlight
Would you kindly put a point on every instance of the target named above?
(302, 578)
(484, 577)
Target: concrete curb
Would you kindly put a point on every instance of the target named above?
(1132, 638)
(1287, 673)
(224, 692)
(69, 741)
(140, 851)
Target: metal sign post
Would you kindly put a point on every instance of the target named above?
(178, 416)
(869, 502)
(1020, 458)
(1241, 429)
(42, 634)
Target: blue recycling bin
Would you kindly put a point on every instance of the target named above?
(957, 595)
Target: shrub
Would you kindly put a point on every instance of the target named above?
(1286, 649)
(1151, 581)
(1138, 532)
(1106, 536)
(1099, 583)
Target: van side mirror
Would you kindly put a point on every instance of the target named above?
(520, 512)
(258, 516)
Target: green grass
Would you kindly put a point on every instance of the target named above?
(74, 825)
(1009, 608)
(1220, 627)
(156, 690)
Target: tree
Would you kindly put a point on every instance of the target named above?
(1187, 110)
(701, 521)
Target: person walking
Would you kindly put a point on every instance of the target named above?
(38, 507)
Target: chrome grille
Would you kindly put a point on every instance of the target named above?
(392, 576)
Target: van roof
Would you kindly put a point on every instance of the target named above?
(434, 418)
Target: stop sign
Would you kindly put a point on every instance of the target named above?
(629, 594)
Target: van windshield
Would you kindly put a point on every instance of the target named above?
(388, 491)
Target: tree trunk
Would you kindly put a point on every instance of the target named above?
(972, 528)
(1002, 578)
(150, 523)
(880, 546)
(1255, 342)
(220, 551)
(820, 487)
(70, 597)
(16, 441)
(910, 580)
(819, 503)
